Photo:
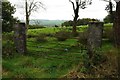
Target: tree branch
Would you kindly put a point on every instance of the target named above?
(77, 4)
(107, 0)
(73, 5)
(31, 4)
(80, 3)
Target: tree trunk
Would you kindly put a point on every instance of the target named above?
(27, 16)
(74, 26)
(76, 11)
(116, 26)
(111, 12)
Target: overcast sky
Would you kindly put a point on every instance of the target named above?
(62, 10)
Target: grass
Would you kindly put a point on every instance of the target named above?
(48, 59)
(51, 59)
(43, 30)
(38, 64)
(108, 26)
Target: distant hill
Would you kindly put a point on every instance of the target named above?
(46, 22)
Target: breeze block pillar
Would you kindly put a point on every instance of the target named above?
(94, 41)
(20, 37)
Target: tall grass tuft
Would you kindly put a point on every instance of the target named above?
(62, 35)
(41, 37)
(82, 38)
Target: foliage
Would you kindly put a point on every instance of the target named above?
(98, 57)
(67, 23)
(86, 62)
(7, 36)
(8, 49)
(50, 34)
(80, 22)
(82, 38)
(85, 21)
(8, 20)
(41, 38)
(108, 18)
(62, 35)
(35, 27)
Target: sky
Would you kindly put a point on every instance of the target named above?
(61, 10)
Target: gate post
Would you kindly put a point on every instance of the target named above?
(20, 37)
(94, 40)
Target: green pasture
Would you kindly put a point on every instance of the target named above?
(49, 59)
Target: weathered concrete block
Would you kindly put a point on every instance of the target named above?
(95, 31)
(20, 37)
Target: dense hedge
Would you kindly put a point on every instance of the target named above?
(80, 22)
(35, 26)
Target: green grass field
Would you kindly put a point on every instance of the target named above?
(49, 59)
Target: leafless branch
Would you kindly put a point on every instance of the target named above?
(107, 0)
(73, 5)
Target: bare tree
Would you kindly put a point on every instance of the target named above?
(31, 6)
(109, 8)
(78, 4)
(116, 25)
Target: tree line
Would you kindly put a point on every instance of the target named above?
(83, 21)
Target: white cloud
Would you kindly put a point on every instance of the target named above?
(116, 0)
(62, 9)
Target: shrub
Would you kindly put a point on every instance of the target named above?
(8, 49)
(35, 26)
(82, 38)
(62, 35)
(30, 35)
(89, 63)
(50, 34)
(7, 36)
(7, 15)
(85, 65)
(98, 57)
(41, 38)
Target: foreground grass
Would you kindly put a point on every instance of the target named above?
(50, 59)
(43, 62)
(47, 60)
